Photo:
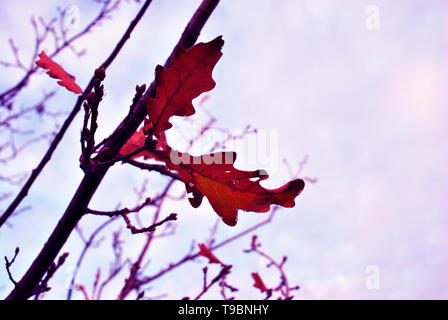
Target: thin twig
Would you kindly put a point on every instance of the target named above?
(123, 211)
(191, 256)
(91, 181)
(132, 282)
(9, 263)
(222, 274)
(151, 228)
(153, 167)
(43, 284)
(87, 244)
(283, 287)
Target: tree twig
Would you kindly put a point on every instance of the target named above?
(91, 112)
(121, 212)
(87, 245)
(191, 256)
(283, 287)
(221, 275)
(132, 282)
(9, 94)
(151, 228)
(153, 167)
(43, 284)
(8, 264)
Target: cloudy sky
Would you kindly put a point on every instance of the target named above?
(358, 86)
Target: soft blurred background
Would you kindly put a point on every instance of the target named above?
(358, 86)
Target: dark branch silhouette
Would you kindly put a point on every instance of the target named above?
(93, 178)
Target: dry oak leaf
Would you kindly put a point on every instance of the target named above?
(227, 188)
(56, 71)
(189, 75)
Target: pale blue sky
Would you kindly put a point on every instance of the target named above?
(368, 106)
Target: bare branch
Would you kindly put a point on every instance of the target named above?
(151, 228)
(153, 167)
(222, 274)
(132, 282)
(121, 212)
(91, 112)
(116, 266)
(87, 244)
(190, 256)
(9, 263)
(43, 287)
(283, 287)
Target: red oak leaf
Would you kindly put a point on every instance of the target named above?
(189, 75)
(205, 252)
(258, 282)
(57, 72)
(227, 188)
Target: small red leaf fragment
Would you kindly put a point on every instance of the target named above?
(56, 71)
(205, 252)
(137, 141)
(134, 143)
(258, 282)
